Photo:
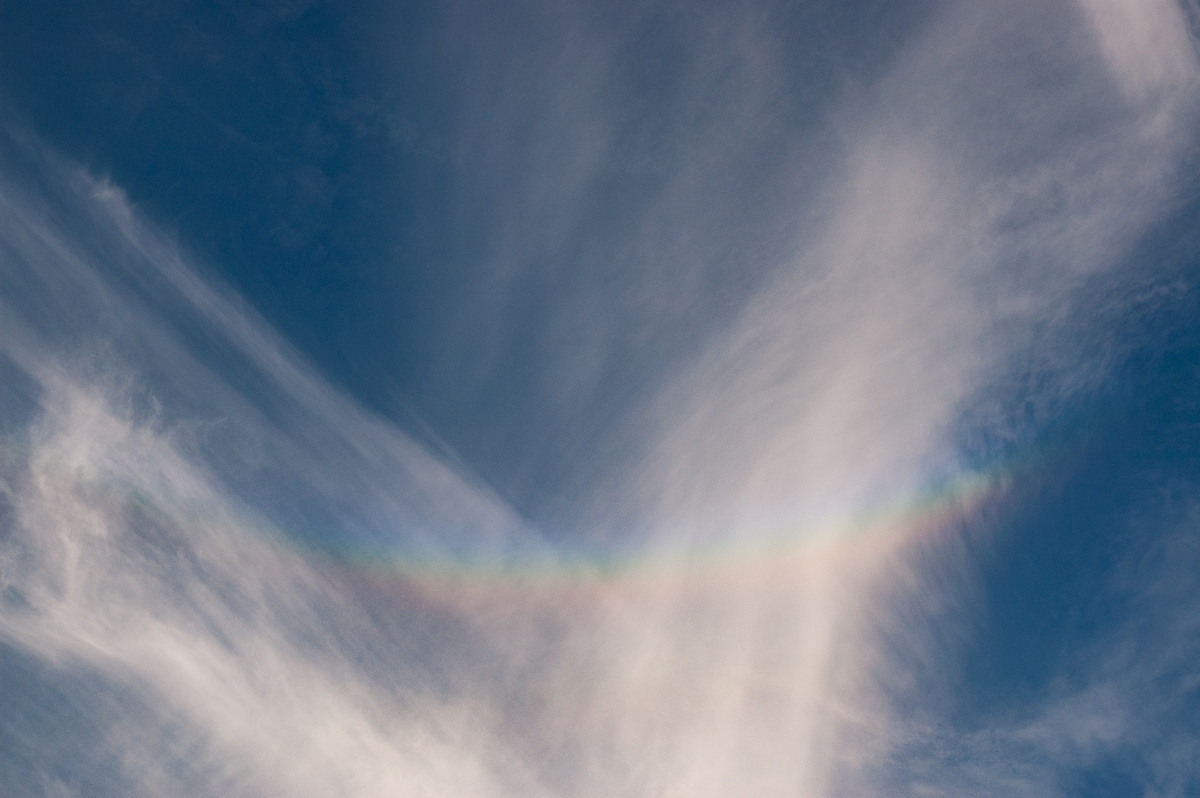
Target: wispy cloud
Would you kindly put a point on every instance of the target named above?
(1120, 703)
(169, 443)
(248, 563)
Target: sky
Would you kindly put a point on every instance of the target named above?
(589, 399)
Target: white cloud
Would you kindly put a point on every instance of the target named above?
(169, 440)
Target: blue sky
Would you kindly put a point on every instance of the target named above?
(665, 400)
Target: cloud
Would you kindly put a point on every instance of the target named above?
(1119, 705)
(131, 563)
(273, 592)
(169, 451)
(993, 175)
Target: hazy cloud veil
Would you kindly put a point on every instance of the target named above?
(771, 340)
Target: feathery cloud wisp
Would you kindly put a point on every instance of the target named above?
(175, 478)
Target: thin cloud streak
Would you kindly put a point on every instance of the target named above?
(959, 228)
(1126, 696)
(131, 551)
